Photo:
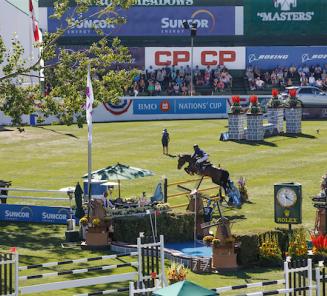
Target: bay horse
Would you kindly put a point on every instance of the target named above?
(217, 175)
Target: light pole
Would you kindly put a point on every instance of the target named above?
(193, 29)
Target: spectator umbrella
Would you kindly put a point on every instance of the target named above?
(119, 172)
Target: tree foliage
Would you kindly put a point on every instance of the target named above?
(66, 70)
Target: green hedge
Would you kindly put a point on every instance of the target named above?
(178, 227)
(175, 227)
(248, 253)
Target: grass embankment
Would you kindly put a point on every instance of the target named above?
(56, 156)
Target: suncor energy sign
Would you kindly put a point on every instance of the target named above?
(231, 57)
(36, 214)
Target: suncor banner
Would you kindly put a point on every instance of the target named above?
(285, 56)
(284, 17)
(36, 214)
(153, 21)
(232, 57)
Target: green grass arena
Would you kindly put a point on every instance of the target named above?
(53, 157)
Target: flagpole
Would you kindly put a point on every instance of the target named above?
(89, 104)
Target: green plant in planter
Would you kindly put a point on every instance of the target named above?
(236, 106)
(274, 102)
(207, 240)
(292, 101)
(84, 221)
(269, 250)
(216, 242)
(254, 105)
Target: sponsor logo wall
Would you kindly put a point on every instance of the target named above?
(37, 214)
(284, 17)
(231, 57)
(156, 108)
(285, 56)
(153, 21)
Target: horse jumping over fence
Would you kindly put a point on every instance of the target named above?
(217, 175)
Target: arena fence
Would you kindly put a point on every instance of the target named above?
(149, 274)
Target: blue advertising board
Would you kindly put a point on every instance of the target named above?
(36, 214)
(285, 56)
(151, 21)
(171, 105)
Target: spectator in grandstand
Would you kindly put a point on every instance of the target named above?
(170, 89)
(289, 82)
(176, 88)
(312, 80)
(259, 83)
(151, 88)
(157, 88)
(184, 89)
(136, 89)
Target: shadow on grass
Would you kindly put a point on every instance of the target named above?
(54, 131)
(31, 236)
(307, 136)
(4, 129)
(246, 273)
(236, 218)
(254, 143)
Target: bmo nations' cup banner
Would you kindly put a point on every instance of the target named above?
(284, 17)
(231, 57)
(153, 21)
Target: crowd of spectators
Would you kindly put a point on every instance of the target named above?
(177, 81)
(304, 76)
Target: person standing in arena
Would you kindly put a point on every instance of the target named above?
(165, 140)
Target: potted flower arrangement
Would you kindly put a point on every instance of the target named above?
(319, 246)
(275, 111)
(270, 253)
(254, 130)
(297, 247)
(236, 106)
(83, 227)
(207, 240)
(254, 106)
(223, 253)
(176, 273)
(236, 120)
(293, 113)
(242, 189)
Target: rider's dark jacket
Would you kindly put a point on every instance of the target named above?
(198, 153)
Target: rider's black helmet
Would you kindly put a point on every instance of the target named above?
(195, 146)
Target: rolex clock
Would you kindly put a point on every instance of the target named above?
(288, 203)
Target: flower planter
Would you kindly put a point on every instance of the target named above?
(97, 238)
(254, 131)
(223, 257)
(276, 118)
(83, 231)
(293, 118)
(236, 124)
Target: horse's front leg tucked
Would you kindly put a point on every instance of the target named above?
(188, 171)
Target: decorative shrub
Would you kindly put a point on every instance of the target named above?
(254, 105)
(297, 248)
(84, 221)
(236, 106)
(176, 273)
(176, 227)
(274, 102)
(292, 101)
(270, 253)
(242, 189)
(96, 222)
(216, 242)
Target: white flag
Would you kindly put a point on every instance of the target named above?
(89, 104)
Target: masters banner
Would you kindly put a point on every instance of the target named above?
(284, 17)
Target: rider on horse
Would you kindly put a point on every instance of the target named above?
(200, 156)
